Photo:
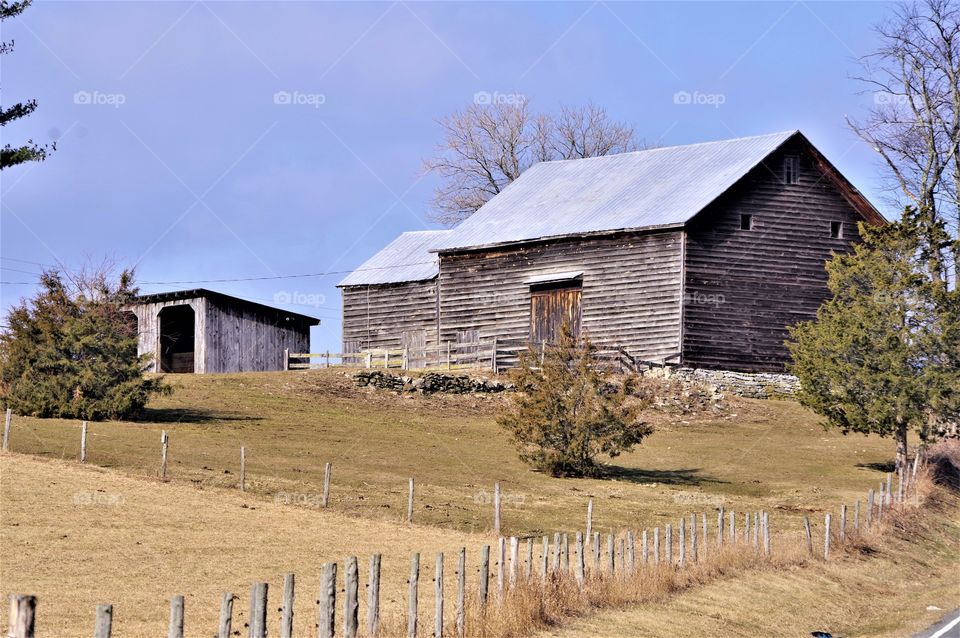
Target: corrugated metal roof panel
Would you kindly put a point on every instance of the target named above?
(659, 187)
(406, 258)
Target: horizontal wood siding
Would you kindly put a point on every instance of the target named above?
(242, 338)
(376, 316)
(631, 290)
(744, 287)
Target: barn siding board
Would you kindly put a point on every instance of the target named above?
(769, 277)
(376, 316)
(631, 290)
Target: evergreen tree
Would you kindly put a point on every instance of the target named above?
(882, 355)
(566, 412)
(72, 353)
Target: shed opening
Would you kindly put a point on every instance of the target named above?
(836, 230)
(177, 332)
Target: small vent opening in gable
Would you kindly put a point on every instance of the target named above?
(791, 169)
(836, 230)
(746, 222)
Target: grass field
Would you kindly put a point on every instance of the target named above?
(132, 541)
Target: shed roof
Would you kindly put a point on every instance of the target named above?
(406, 258)
(660, 187)
(194, 293)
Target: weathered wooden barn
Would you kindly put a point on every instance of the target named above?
(205, 331)
(700, 255)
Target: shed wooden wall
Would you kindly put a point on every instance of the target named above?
(148, 329)
(376, 316)
(243, 338)
(631, 290)
(768, 278)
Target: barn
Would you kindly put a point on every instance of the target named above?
(699, 255)
(206, 331)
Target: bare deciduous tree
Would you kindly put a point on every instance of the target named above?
(915, 122)
(487, 146)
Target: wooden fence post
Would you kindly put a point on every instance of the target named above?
(621, 556)
(556, 553)
(412, 611)
(565, 553)
(596, 552)
(766, 533)
(683, 542)
(581, 563)
(889, 489)
(243, 469)
(448, 355)
(164, 445)
(869, 508)
(544, 554)
(733, 527)
(856, 516)
(631, 562)
(881, 499)
(656, 546)
(720, 527)
(438, 597)
(327, 359)
(327, 472)
(611, 567)
(756, 531)
(462, 592)
(83, 442)
(704, 518)
(826, 537)
(6, 430)
(514, 559)
(746, 528)
(327, 626)
(286, 359)
(900, 484)
(808, 533)
(104, 624)
(351, 598)
(528, 564)
(286, 613)
(259, 619)
(501, 567)
(668, 544)
(483, 586)
(643, 547)
(373, 597)
(693, 538)
(175, 629)
(410, 502)
(493, 357)
(496, 509)
(226, 615)
(23, 613)
(843, 523)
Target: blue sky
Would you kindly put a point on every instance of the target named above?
(174, 155)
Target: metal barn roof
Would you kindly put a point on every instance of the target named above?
(406, 258)
(194, 293)
(659, 187)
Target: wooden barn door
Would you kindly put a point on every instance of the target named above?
(550, 306)
(415, 341)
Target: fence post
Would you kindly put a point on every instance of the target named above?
(596, 552)
(373, 597)
(746, 528)
(693, 537)
(826, 537)
(581, 563)
(286, 616)
(545, 551)
(328, 601)
(900, 484)
(327, 359)
(889, 489)
(756, 531)
(410, 502)
(631, 562)
(483, 586)
(496, 508)
(23, 612)
(869, 508)
(164, 445)
(733, 527)
(856, 516)
(226, 615)
(565, 553)
(104, 624)
(461, 592)
(83, 442)
(720, 527)
(493, 357)
(259, 620)
(448, 355)
(528, 563)
(668, 544)
(880, 502)
(438, 597)
(414, 580)
(682, 542)
(656, 546)
(611, 567)
(843, 523)
(643, 547)
(766, 533)
(501, 559)
(286, 359)
(6, 429)
(808, 533)
(704, 517)
(406, 357)
(351, 601)
(327, 472)
(243, 469)
(556, 553)
(514, 559)
(176, 618)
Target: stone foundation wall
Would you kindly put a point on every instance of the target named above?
(430, 383)
(744, 384)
